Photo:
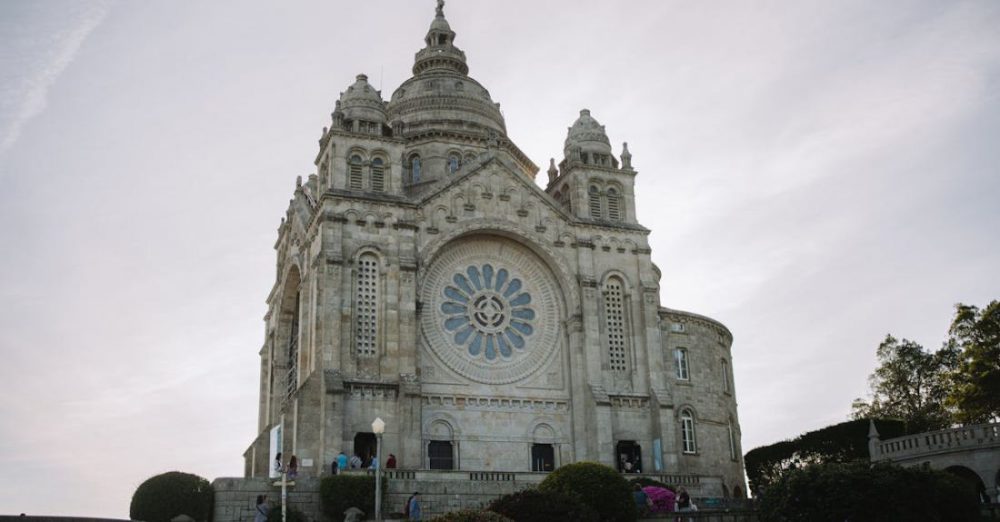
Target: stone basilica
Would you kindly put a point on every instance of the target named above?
(424, 277)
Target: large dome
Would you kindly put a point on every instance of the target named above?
(362, 102)
(440, 94)
(587, 135)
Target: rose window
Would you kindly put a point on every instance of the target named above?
(487, 312)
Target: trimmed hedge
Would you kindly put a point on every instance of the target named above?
(532, 505)
(844, 442)
(471, 515)
(164, 496)
(597, 486)
(293, 514)
(339, 492)
(860, 492)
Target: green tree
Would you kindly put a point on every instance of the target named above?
(910, 384)
(164, 496)
(975, 394)
(596, 485)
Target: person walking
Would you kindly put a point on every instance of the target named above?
(342, 462)
(390, 463)
(262, 510)
(413, 506)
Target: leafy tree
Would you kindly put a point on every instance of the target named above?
(164, 496)
(976, 392)
(532, 505)
(910, 384)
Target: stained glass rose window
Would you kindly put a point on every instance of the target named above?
(488, 312)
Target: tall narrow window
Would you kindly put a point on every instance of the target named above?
(453, 163)
(378, 175)
(595, 202)
(292, 377)
(366, 306)
(732, 440)
(614, 205)
(415, 169)
(354, 179)
(614, 311)
(725, 376)
(687, 432)
(681, 362)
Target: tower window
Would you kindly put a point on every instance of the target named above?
(732, 440)
(366, 304)
(355, 181)
(378, 175)
(615, 325)
(681, 362)
(595, 202)
(453, 163)
(415, 168)
(725, 376)
(688, 439)
(614, 205)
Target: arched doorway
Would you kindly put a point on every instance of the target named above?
(365, 447)
(628, 456)
(971, 478)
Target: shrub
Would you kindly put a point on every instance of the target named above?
(471, 515)
(644, 481)
(532, 505)
(163, 497)
(597, 486)
(293, 515)
(860, 492)
(339, 492)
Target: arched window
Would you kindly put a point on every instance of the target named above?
(614, 311)
(595, 202)
(324, 175)
(469, 158)
(725, 376)
(366, 306)
(454, 162)
(354, 179)
(732, 440)
(688, 439)
(415, 168)
(378, 175)
(292, 377)
(681, 363)
(614, 205)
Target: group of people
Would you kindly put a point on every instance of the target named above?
(342, 462)
(291, 470)
(651, 499)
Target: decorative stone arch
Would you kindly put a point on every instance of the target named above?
(471, 255)
(440, 442)
(970, 478)
(286, 354)
(453, 159)
(544, 451)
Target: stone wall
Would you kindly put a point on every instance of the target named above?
(236, 498)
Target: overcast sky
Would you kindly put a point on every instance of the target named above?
(816, 174)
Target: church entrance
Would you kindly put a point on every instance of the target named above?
(365, 447)
(543, 457)
(629, 456)
(439, 452)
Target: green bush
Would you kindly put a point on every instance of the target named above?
(163, 497)
(532, 505)
(292, 514)
(596, 485)
(644, 482)
(339, 492)
(861, 492)
(471, 515)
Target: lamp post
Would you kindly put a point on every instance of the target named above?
(378, 426)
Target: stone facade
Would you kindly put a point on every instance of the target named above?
(424, 277)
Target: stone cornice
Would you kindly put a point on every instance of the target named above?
(702, 320)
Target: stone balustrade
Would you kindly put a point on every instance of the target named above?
(954, 439)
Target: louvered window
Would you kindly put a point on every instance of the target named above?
(615, 321)
(378, 175)
(355, 181)
(614, 205)
(366, 305)
(595, 202)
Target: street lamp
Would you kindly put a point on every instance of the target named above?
(378, 426)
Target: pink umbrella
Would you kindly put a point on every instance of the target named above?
(662, 499)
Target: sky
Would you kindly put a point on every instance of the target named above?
(815, 174)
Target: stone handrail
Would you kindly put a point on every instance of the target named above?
(965, 437)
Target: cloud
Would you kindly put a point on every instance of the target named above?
(37, 60)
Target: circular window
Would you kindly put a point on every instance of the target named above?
(493, 310)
